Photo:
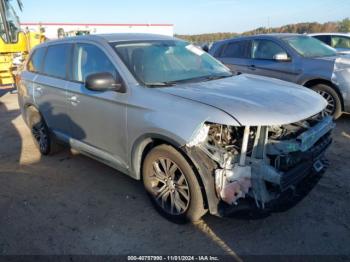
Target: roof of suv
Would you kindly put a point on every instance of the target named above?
(273, 35)
(279, 35)
(118, 37)
(133, 37)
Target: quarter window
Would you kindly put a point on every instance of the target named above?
(324, 38)
(266, 49)
(57, 60)
(89, 59)
(36, 60)
(237, 49)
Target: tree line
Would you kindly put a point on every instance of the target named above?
(300, 28)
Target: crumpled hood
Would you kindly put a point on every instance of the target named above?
(254, 100)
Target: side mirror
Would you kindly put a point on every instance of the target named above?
(283, 57)
(103, 82)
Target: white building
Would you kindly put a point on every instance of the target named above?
(52, 30)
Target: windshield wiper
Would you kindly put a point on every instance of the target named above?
(215, 77)
(160, 84)
(200, 78)
(173, 83)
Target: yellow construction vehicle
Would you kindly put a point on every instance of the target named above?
(14, 43)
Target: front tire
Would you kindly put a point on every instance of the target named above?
(172, 185)
(334, 107)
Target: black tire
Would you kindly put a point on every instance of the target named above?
(42, 136)
(178, 180)
(334, 107)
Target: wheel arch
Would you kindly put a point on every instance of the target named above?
(148, 142)
(142, 146)
(312, 82)
(26, 111)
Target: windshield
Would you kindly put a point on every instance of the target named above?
(12, 23)
(157, 63)
(310, 47)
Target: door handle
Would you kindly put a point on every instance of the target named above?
(39, 90)
(74, 99)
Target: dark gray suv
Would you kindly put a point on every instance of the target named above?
(295, 58)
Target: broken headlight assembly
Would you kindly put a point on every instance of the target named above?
(260, 162)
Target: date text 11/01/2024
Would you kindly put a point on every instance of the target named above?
(173, 258)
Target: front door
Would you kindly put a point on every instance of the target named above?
(264, 63)
(98, 118)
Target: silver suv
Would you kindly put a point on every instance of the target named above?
(161, 110)
(339, 41)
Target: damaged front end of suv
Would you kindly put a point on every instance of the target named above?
(256, 167)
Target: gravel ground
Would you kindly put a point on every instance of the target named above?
(70, 204)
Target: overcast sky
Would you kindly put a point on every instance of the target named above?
(191, 16)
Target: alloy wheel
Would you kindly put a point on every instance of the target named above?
(169, 186)
(331, 106)
(40, 134)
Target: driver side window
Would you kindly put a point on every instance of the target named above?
(266, 49)
(89, 59)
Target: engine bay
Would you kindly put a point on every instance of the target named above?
(260, 162)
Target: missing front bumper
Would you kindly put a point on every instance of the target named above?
(284, 200)
(264, 169)
(312, 160)
(271, 173)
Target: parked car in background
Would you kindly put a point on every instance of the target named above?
(165, 112)
(295, 58)
(341, 42)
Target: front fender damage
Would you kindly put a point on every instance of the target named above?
(258, 163)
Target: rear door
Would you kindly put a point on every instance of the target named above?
(98, 117)
(264, 61)
(50, 88)
(236, 56)
(27, 77)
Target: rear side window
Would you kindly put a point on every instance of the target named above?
(237, 49)
(57, 60)
(89, 59)
(36, 61)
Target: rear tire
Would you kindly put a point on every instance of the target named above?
(172, 185)
(42, 136)
(334, 107)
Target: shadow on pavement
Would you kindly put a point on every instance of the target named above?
(5, 89)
